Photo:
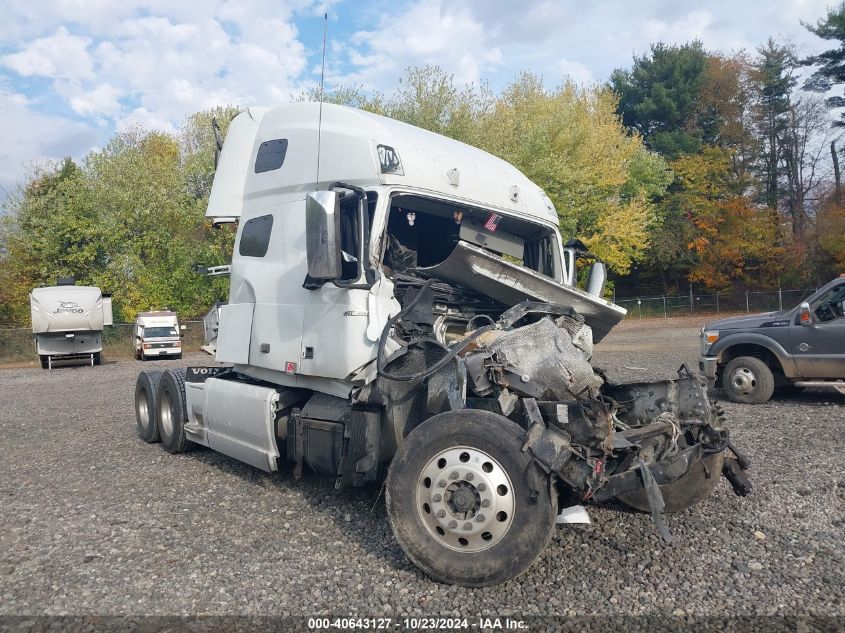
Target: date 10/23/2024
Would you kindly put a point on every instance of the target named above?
(420, 623)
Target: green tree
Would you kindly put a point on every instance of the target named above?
(775, 80)
(130, 219)
(830, 65)
(658, 96)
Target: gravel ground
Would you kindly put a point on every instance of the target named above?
(93, 520)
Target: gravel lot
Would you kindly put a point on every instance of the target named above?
(93, 520)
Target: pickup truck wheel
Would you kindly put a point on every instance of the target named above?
(146, 405)
(466, 505)
(696, 485)
(748, 380)
(173, 411)
(45, 361)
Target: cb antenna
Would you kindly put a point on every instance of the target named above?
(322, 77)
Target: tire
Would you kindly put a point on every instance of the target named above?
(146, 405)
(178, 356)
(173, 411)
(748, 380)
(45, 361)
(499, 546)
(98, 358)
(697, 484)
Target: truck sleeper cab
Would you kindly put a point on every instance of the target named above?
(411, 315)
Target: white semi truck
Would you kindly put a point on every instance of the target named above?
(68, 321)
(403, 309)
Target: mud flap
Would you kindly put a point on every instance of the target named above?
(655, 501)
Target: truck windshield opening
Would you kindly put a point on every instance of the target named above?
(159, 332)
(423, 232)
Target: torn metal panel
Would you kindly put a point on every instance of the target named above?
(548, 445)
(510, 283)
(641, 402)
(536, 360)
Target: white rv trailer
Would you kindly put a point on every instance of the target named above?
(403, 307)
(68, 321)
(157, 334)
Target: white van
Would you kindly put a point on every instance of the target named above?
(158, 334)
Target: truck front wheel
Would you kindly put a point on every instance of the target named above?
(748, 380)
(466, 505)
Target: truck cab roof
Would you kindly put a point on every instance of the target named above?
(273, 153)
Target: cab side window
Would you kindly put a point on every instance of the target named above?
(271, 155)
(831, 305)
(255, 236)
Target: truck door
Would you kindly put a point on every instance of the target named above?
(819, 348)
(340, 330)
(261, 325)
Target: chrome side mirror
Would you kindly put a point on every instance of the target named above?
(805, 316)
(322, 235)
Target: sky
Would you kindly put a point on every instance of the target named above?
(72, 72)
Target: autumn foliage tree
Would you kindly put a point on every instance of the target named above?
(734, 239)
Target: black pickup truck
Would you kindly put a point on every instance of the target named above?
(751, 356)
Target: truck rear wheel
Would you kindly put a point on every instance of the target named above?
(466, 505)
(45, 361)
(173, 411)
(696, 485)
(748, 380)
(146, 405)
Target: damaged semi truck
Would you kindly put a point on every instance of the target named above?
(403, 311)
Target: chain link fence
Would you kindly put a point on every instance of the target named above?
(17, 344)
(718, 303)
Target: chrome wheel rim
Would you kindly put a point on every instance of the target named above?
(164, 412)
(743, 380)
(465, 499)
(142, 409)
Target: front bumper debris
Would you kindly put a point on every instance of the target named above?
(707, 366)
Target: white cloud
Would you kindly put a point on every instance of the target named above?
(149, 61)
(104, 100)
(692, 26)
(154, 61)
(426, 32)
(576, 71)
(29, 137)
(59, 56)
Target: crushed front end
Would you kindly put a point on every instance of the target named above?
(657, 446)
